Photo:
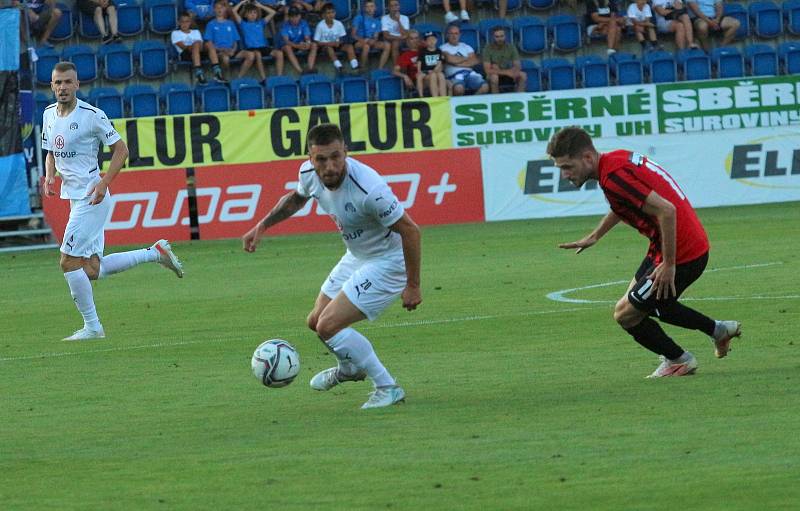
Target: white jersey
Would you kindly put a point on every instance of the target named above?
(363, 208)
(74, 141)
(636, 14)
(325, 34)
(187, 38)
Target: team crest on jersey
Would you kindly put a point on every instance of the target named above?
(59, 142)
(73, 126)
(349, 207)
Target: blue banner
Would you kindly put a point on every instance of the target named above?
(13, 186)
(9, 39)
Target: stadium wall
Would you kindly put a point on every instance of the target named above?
(452, 160)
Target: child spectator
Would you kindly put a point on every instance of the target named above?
(395, 27)
(43, 16)
(296, 36)
(98, 9)
(328, 35)
(222, 41)
(188, 44)
(253, 28)
(640, 17)
(366, 32)
(429, 68)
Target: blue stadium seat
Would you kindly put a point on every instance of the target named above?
(130, 18)
(247, 93)
(178, 98)
(541, 5)
(86, 27)
(319, 91)
(214, 97)
(738, 11)
(534, 82)
(767, 19)
(388, 88)
(789, 53)
(728, 62)
(117, 62)
(162, 16)
(761, 59)
(791, 15)
(410, 8)
(661, 67)
(593, 71)
(511, 5)
(431, 27)
(353, 89)
(84, 59)
(109, 100)
(531, 34)
(48, 58)
(565, 32)
(142, 100)
(283, 91)
(152, 57)
(42, 101)
(485, 27)
(65, 27)
(344, 10)
(470, 34)
(626, 68)
(694, 64)
(559, 73)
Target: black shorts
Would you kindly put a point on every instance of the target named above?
(88, 7)
(264, 51)
(642, 296)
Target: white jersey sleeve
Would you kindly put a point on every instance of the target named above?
(384, 205)
(47, 128)
(104, 130)
(305, 180)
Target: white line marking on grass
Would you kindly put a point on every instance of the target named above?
(558, 296)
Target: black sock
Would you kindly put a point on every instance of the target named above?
(643, 43)
(651, 336)
(680, 315)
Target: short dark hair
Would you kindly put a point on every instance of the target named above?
(65, 66)
(324, 134)
(328, 7)
(497, 28)
(570, 142)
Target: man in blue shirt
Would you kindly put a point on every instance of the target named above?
(366, 33)
(296, 37)
(708, 19)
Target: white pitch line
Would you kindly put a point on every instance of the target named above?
(558, 296)
(402, 324)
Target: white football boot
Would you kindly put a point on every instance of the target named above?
(329, 378)
(385, 396)
(166, 257)
(675, 367)
(85, 334)
(724, 332)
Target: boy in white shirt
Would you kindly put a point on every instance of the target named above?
(395, 28)
(640, 18)
(329, 35)
(188, 43)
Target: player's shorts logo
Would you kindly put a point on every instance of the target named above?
(73, 126)
(59, 142)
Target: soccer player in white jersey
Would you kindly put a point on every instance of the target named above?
(382, 260)
(71, 135)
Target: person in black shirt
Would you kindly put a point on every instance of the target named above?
(429, 68)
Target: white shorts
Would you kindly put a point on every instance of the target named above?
(83, 236)
(371, 285)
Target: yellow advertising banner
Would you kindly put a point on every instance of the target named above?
(278, 134)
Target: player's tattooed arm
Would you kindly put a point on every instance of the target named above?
(287, 206)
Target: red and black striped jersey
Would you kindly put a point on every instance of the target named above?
(627, 179)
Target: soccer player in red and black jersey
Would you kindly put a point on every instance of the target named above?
(644, 196)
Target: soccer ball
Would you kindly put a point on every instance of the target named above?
(275, 363)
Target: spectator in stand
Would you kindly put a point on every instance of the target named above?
(296, 36)
(501, 63)
(602, 18)
(222, 41)
(366, 32)
(201, 10)
(429, 68)
(708, 19)
(43, 16)
(459, 59)
(98, 10)
(395, 27)
(188, 44)
(330, 35)
(640, 17)
(406, 66)
(253, 28)
(450, 17)
(671, 16)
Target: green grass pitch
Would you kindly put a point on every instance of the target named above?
(514, 401)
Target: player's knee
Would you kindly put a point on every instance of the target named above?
(91, 271)
(311, 320)
(326, 327)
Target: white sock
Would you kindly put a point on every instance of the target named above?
(354, 64)
(353, 347)
(337, 64)
(121, 261)
(81, 290)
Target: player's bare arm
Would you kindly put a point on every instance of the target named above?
(412, 250)
(50, 175)
(606, 224)
(118, 158)
(287, 206)
(663, 275)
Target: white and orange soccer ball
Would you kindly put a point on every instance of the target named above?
(275, 363)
